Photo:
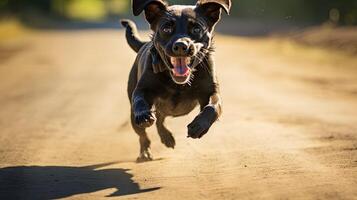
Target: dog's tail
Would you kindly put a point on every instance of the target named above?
(132, 35)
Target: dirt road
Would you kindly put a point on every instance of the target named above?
(288, 131)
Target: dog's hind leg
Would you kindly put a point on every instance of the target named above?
(165, 135)
(145, 153)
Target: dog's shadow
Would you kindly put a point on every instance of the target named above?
(53, 182)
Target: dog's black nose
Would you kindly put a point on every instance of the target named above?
(180, 48)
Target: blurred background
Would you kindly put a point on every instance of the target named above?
(339, 12)
(248, 18)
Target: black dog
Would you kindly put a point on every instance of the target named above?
(174, 71)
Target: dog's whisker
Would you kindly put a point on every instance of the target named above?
(203, 63)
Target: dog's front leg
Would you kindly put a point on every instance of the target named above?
(209, 114)
(142, 108)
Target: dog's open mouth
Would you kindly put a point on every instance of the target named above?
(181, 69)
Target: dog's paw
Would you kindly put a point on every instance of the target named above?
(168, 140)
(145, 119)
(144, 156)
(202, 123)
(198, 128)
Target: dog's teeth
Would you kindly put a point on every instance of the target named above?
(173, 60)
(188, 60)
(182, 61)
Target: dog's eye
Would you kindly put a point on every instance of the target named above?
(167, 29)
(196, 30)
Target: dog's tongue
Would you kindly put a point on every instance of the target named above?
(180, 66)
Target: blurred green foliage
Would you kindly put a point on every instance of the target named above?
(69, 9)
(343, 12)
(299, 10)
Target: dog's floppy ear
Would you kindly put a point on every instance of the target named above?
(211, 9)
(153, 8)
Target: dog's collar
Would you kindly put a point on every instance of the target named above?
(158, 64)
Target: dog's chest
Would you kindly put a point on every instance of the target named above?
(175, 104)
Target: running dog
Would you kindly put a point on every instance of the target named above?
(175, 71)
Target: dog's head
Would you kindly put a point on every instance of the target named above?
(182, 34)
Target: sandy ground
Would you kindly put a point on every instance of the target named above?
(288, 130)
